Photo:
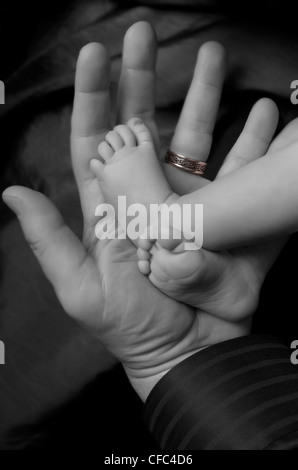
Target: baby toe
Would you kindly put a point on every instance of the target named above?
(145, 244)
(141, 132)
(144, 267)
(143, 255)
(96, 167)
(127, 135)
(105, 151)
(158, 273)
(115, 140)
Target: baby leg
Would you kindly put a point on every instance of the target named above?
(255, 203)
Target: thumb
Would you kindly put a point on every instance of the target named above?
(60, 253)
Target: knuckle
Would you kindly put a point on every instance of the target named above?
(38, 248)
(110, 135)
(120, 128)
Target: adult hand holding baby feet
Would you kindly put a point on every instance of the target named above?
(98, 282)
(129, 167)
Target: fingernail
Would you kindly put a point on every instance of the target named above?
(94, 162)
(11, 200)
(138, 122)
(6, 195)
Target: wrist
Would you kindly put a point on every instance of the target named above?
(143, 381)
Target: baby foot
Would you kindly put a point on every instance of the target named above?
(129, 166)
(200, 278)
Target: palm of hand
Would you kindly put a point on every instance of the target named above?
(134, 316)
(145, 328)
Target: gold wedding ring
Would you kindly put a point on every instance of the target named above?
(185, 164)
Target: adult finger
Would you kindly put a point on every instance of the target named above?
(194, 132)
(255, 138)
(253, 143)
(137, 80)
(90, 122)
(193, 135)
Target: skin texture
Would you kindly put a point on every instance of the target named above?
(98, 283)
(128, 166)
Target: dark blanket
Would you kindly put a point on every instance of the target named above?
(50, 361)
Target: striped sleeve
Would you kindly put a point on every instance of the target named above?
(241, 394)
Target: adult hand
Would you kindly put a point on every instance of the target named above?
(98, 283)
